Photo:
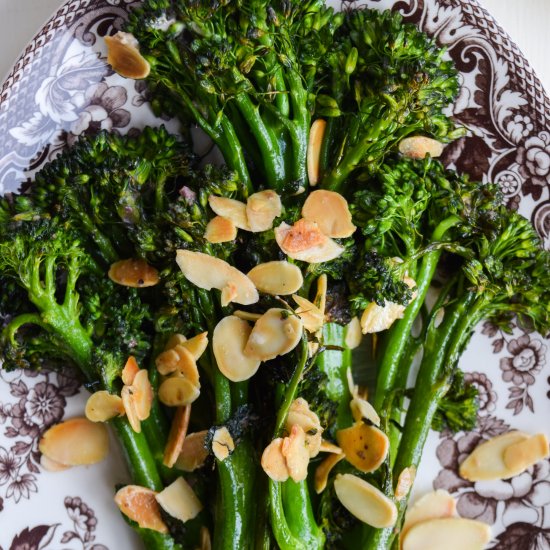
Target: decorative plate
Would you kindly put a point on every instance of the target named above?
(61, 87)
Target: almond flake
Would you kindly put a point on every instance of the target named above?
(167, 361)
(323, 471)
(300, 414)
(174, 340)
(228, 344)
(130, 408)
(142, 394)
(129, 371)
(277, 278)
(315, 142)
(247, 315)
(330, 211)
(210, 272)
(304, 241)
(361, 408)
(261, 209)
(222, 443)
(273, 462)
(365, 447)
(231, 209)
(520, 456)
(417, 147)
(377, 318)
(177, 435)
(102, 406)
(365, 502)
(135, 273)
(312, 317)
(186, 365)
(177, 392)
(197, 345)
(140, 505)
(276, 332)
(51, 465)
(206, 542)
(179, 500)
(328, 447)
(193, 453)
(124, 57)
(405, 482)
(296, 453)
(220, 230)
(75, 442)
(353, 334)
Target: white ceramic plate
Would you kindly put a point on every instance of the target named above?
(61, 88)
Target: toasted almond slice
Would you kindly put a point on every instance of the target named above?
(304, 241)
(222, 443)
(197, 345)
(124, 57)
(176, 437)
(143, 394)
(179, 500)
(352, 386)
(273, 462)
(320, 300)
(366, 447)
(300, 414)
(231, 209)
(435, 504)
(276, 332)
(51, 465)
(328, 447)
(130, 408)
(296, 453)
(187, 366)
(312, 317)
(174, 340)
(405, 482)
(75, 442)
(247, 315)
(315, 142)
(448, 533)
(365, 502)
(486, 462)
(209, 272)
(361, 408)
(167, 361)
(228, 343)
(277, 278)
(323, 471)
(206, 542)
(330, 211)
(140, 505)
(353, 334)
(417, 147)
(524, 454)
(129, 371)
(193, 452)
(220, 230)
(377, 318)
(133, 272)
(229, 293)
(177, 392)
(261, 209)
(102, 406)
(312, 348)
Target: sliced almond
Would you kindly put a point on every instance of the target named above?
(206, 542)
(51, 465)
(140, 505)
(315, 142)
(210, 272)
(300, 414)
(323, 471)
(129, 371)
(179, 500)
(366, 447)
(102, 406)
(320, 300)
(377, 318)
(174, 340)
(231, 209)
(167, 361)
(222, 443)
(405, 482)
(193, 452)
(186, 365)
(135, 273)
(524, 454)
(448, 533)
(124, 57)
(247, 315)
(328, 447)
(177, 392)
(353, 334)
(277, 278)
(261, 209)
(486, 462)
(330, 211)
(435, 504)
(417, 147)
(365, 502)
(273, 462)
(296, 453)
(276, 332)
(304, 241)
(75, 442)
(220, 230)
(361, 408)
(197, 345)
(177, 435)
(130, 408)
(312, 317)
(143, 394)
(228, 344)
